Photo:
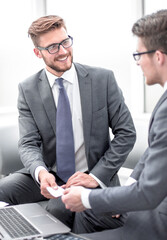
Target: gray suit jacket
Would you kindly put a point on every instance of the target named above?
(102, 106)
(146, 200)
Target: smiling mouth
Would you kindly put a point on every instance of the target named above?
(62, 59)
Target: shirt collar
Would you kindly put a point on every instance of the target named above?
(165, 86)
(68, 75)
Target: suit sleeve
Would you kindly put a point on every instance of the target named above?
(139, 166)
(30, 139)
(150, 189)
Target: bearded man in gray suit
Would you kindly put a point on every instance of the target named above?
(97, 105)
(142, 204)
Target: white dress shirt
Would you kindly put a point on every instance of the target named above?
(165, 86)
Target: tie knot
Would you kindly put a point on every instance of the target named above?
(60, 82)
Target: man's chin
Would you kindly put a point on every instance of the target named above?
(63, 68)
(60, 69)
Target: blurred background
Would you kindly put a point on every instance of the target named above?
(102, 37)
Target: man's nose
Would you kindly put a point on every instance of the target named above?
(62, 50)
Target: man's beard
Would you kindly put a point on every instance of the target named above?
(56, 68)
(60, 69)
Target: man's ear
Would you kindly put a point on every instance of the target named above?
(37, 53)
(160, 57)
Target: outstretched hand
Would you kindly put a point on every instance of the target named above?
(47, 180)
(72, 199)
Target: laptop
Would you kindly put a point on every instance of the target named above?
(28, 221)
(66, 236)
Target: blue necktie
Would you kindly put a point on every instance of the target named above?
(65, 156)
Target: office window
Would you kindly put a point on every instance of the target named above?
(17, 60)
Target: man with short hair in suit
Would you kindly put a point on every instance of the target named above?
(96, 104)
(143, 203)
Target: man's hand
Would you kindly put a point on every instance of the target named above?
(72, 199)
(46, 180)
(81, 179)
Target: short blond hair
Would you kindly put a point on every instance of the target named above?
(44, 25)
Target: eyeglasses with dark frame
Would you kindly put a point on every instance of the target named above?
(54, 48)
(137, 55)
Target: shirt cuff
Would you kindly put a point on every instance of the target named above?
(85, 197)
(3, 204)
(37, 170)
(102, 185)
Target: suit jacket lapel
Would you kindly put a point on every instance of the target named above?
(163, 97)
(47, 99)
(85, 87)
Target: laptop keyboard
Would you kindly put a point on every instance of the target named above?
(65, 237)
(15, 224)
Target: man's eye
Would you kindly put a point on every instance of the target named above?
(66, 42)
(54, 46)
